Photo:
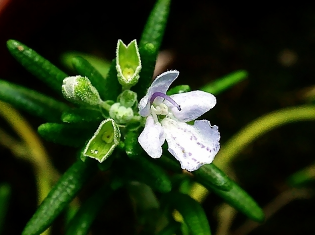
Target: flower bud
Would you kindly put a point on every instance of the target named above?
(128, 98)
(79, 90)
(120, 113)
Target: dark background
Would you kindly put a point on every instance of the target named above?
(208, 39)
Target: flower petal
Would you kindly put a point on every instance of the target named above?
(192, 146)
(193, 104)
(151, 138)
(163, 82)
(160, 84)
(209, 134)
(144, 106)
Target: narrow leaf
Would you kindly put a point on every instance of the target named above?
(145, 171)
(148, 56)
(178, 89)
(112, 88)
(221, 84)
(169, 162)
(241, 201)
(31, 101)
(302, 177)
(83, 219)
(209, 174)
(150, 42)
(170, 229)
(80, 115)
(100, 64)
(5, 194)
(58, 198)
(154, 29)
(132, 146)
(191, 211)
(74, 135)
(146, 206)
(84, 68)
(37, 65)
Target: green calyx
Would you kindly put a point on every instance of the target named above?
(128, 64)
(104, 141)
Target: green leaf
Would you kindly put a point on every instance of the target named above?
(74, 135)
(112, 88)
(70, 213)
(178, 89)
(209, 174)
(149, 45)
(184, 230)
(221, 84)
(83, 219)
(37, 65)
(5, 194)
(60, 196)
(104, 141)
(241, 201)
(170, 229)
(31, 101)
(182, 182)
(191, 211)
(132, 146)
(302, 177)
(145, 171)
(148, 56)
(128, 64)
(169, 162)
(80, 115)
(84, 68)
(154, 29)
(105, 165)
(146, 206)
(100, 64)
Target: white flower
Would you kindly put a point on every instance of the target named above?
(192, 145)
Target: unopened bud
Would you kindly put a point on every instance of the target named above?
(79, 90)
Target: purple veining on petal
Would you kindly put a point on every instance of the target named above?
(191, 148)
(169, 99)
(182, 149)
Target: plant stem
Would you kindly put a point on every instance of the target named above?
(259, 127)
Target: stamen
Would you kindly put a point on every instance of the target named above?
(166, 97)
